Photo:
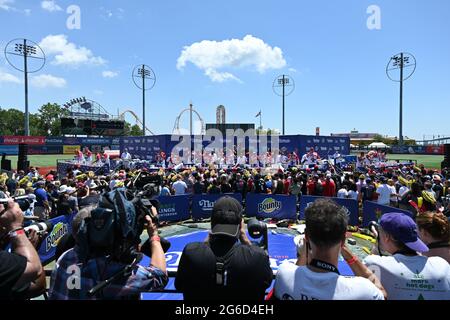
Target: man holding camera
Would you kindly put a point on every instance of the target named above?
(76, 275)
(21, 272)
(316, 275)
(227, 266)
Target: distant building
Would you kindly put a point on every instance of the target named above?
(357, 138)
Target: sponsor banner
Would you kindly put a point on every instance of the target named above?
(61, 226)
(373, 211)
(173, 208)
(93, 141)
(271, 206)
(70, 149)
(54, 140)
(71, 141)
(202, 204)
(30, 140)
(435, 149)
(45, 149)
(9, 150)
(350, 204)
(324, 145)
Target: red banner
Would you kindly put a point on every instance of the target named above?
(435, 149)
(14, 140)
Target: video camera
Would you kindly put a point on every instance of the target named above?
(258, 230)
(24, 202)
(115, 226)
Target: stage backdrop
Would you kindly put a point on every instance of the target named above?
(148, 147)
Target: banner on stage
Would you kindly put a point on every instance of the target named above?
(271, 206)
(373, 211)
(173, 208)
(202, 204)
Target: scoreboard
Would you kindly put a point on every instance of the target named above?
(74, 126)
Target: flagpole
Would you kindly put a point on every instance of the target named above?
(260, 121)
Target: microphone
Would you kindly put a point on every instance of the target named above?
(40, 227)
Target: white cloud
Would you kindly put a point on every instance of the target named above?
(27, 12)
(7, 77)
(67, 53)
(293, 70)
(109, 74)
(5, 5)
(212, 56)
(98, 92)
(50, 5)
(48, 81)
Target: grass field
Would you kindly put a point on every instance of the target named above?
(429, 161)
(41, 160)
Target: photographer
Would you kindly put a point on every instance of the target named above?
(316, 276)
(222, 268)
(405, 273)
(21, 272)
(117, 261)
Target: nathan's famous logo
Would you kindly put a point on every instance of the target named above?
(206, 205)
(167, 209)
(59, 230)
(269, 205)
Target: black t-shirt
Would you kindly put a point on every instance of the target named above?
(225, 188)
(248, 272)
(12, 266)
(199, 187)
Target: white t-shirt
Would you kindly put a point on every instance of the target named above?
(179, 187)
(402, 191)
(125, 156)
(300, 283)
(393, 194)
(384, 192)
(342, 193)
(412, 277)
(353, 195)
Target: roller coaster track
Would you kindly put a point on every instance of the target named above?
(122, 116)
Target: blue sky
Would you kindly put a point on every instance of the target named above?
(338, 63)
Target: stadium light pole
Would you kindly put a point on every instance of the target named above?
(25, 49)
(282, 83)
(398, 64)
(143, 73)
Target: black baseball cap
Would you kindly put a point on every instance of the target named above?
(226, 217)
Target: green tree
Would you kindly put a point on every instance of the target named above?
(11, 122)
(378, 138)
(50, 118)
(134, 130)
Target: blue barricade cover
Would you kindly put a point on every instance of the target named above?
(271, 206)
(281, 249)
(373, 211)
(173, 208)
(350, 204)
(63, 166)
(61, 226)
(202, 204)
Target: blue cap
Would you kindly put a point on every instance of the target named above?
(403, 228)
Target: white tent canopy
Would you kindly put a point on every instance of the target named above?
(378, 145)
